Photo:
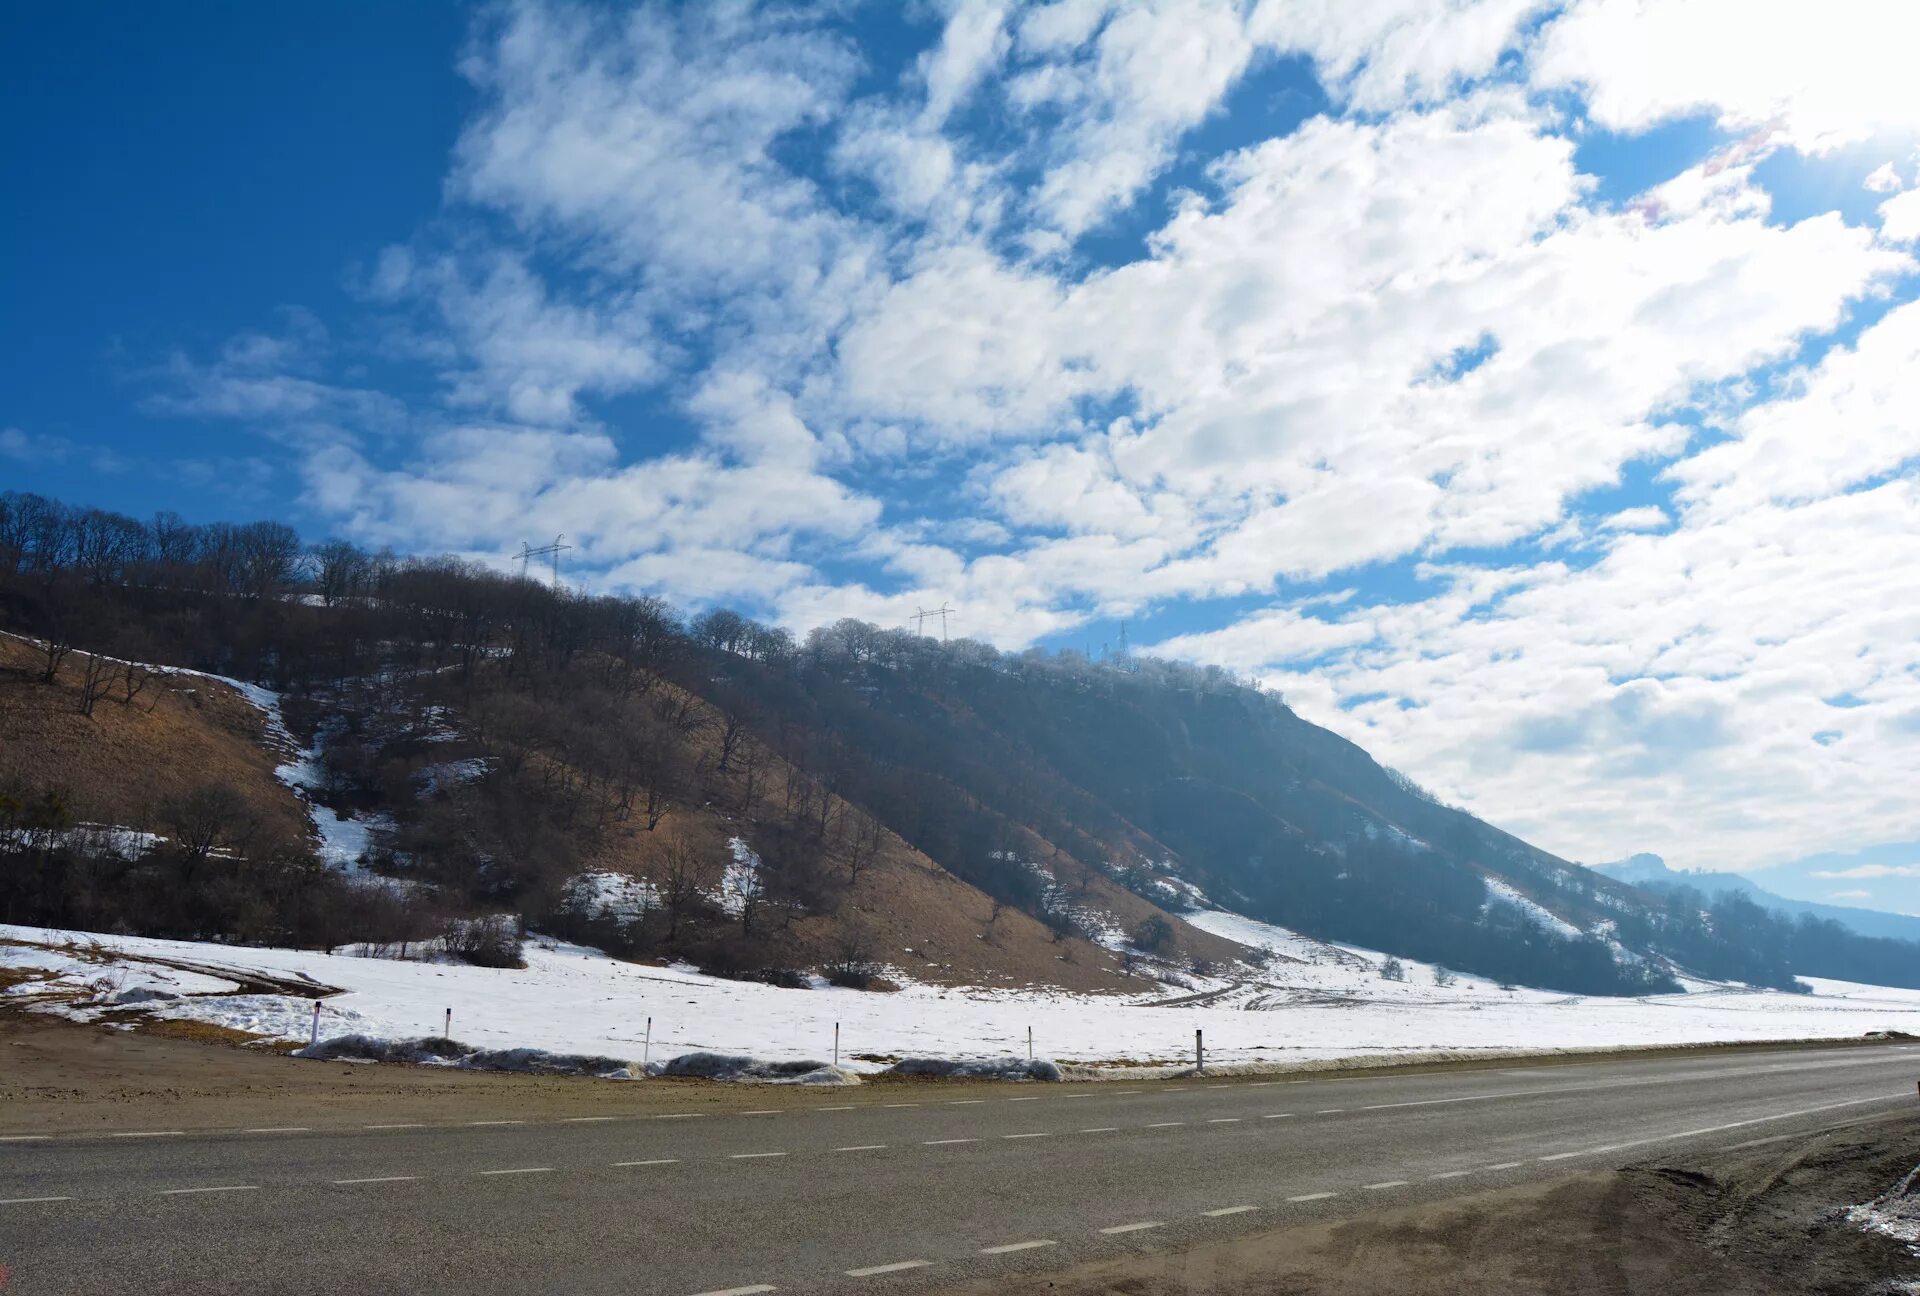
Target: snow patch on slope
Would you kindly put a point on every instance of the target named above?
(1502, 893)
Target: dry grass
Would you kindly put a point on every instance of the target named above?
(119, 764)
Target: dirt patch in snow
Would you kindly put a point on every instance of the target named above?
(1756, 1221)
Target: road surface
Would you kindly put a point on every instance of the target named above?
(883, 1189)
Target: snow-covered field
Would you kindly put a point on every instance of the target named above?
(1315, 1002)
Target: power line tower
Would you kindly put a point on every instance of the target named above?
(921, 615)
(551, 552)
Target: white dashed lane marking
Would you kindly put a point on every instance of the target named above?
(1022, 1136)
(1307, 1197)
(898, 1266)
(1223, 1120)
(521, 1170)
(754, 1290)
(1165, 1124)
(280, 1129)
(655, 1161)
(1507, 1165)
(1102, 1129)
(944, 1142)
(380, 1179)
(1135, 1228)
(582, 1120)
(28, 1201)
(1389, 1183)
(1010, 1247)
(863, 1147)
(1229, 1210)
(407, 1125)
(182, 1192)
(753, 1156)
(24, 1138)
(147, 1134)
(1450, 1174)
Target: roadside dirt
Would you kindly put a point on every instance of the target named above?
(1759, 1220)
(61, 1077)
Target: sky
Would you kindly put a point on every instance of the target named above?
(1527, 389)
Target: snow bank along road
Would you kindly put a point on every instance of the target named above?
(853, 1192)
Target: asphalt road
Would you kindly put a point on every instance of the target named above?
(878, 1190)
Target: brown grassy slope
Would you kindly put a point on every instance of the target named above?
(917, 917)
(118, 765)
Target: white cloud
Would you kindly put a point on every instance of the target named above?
(1125, 83)
(1883, 179)
(1818, 75)
(1648, 517)
(1381, 54)
(1865, 871)
(1900, 217)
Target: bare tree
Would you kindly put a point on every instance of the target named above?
(733, 732)
(679, 882)
(863, 843)
(96, 677)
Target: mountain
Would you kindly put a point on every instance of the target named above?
(1646, 870)
(482, 754)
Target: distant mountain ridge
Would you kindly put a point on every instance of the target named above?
(1649, 870)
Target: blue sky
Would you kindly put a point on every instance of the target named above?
(1524, 387)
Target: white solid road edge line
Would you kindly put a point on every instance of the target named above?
(1718, 1129)
(1018, 1246)
(898, 1266)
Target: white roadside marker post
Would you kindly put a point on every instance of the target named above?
(446, 1032)
(836, 1044)
(646, 1050)
(313, 1036)
(1029, 1043)
(1199, 1054)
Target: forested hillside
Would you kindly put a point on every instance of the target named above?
(497, 753)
